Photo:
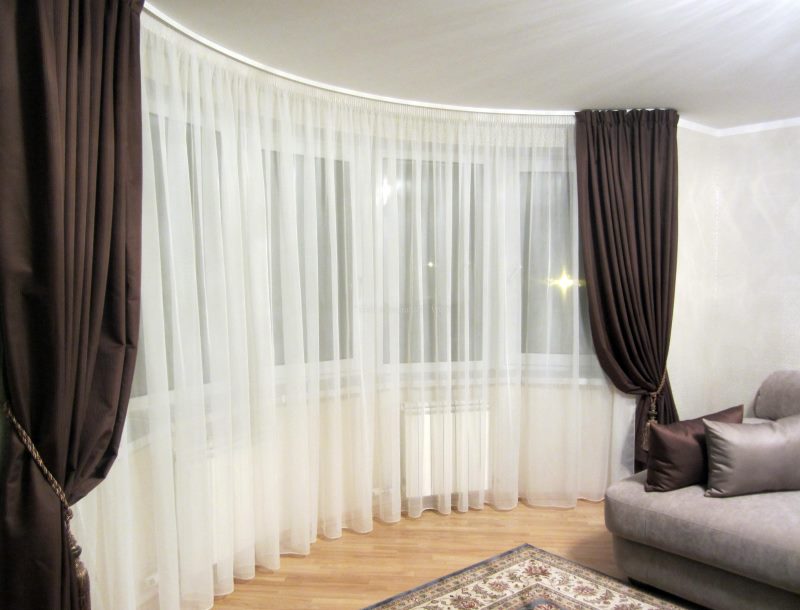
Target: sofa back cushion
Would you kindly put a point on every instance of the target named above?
(779, 395)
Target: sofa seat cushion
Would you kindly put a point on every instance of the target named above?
(756, 536)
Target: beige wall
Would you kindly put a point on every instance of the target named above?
(737, 305)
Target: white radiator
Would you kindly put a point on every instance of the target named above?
(445, 447)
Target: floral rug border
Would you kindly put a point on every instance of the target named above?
(554, 583)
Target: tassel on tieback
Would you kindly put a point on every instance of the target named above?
(81, 573)
(652, 415)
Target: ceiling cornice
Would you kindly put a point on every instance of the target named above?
(690, 125)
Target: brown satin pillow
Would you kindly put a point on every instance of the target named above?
(677, 456)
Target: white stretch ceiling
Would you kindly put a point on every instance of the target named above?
(720, 63)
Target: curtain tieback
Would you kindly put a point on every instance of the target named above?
(75, 550)
(652, 415)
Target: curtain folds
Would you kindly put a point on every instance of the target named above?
(350, 310)
(70, 204)
(627, 168)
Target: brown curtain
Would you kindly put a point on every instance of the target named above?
(628, 213)
(70, 227)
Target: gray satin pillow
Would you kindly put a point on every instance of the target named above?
(750, 458)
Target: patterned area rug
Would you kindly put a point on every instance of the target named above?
(525, 578)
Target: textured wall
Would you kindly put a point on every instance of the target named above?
(737, 306)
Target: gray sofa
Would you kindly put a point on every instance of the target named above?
(739, 552)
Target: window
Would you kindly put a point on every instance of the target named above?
(554, 304)
(438, 227)
(327, 227)
(547, 258)
(202, 149)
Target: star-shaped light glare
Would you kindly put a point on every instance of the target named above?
(565, 282)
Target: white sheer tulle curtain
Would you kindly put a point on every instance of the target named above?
(351, 310)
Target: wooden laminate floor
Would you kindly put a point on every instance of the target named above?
(360, 569)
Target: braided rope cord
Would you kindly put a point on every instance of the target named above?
(653, 414)
(84, 598)
(37, 458)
